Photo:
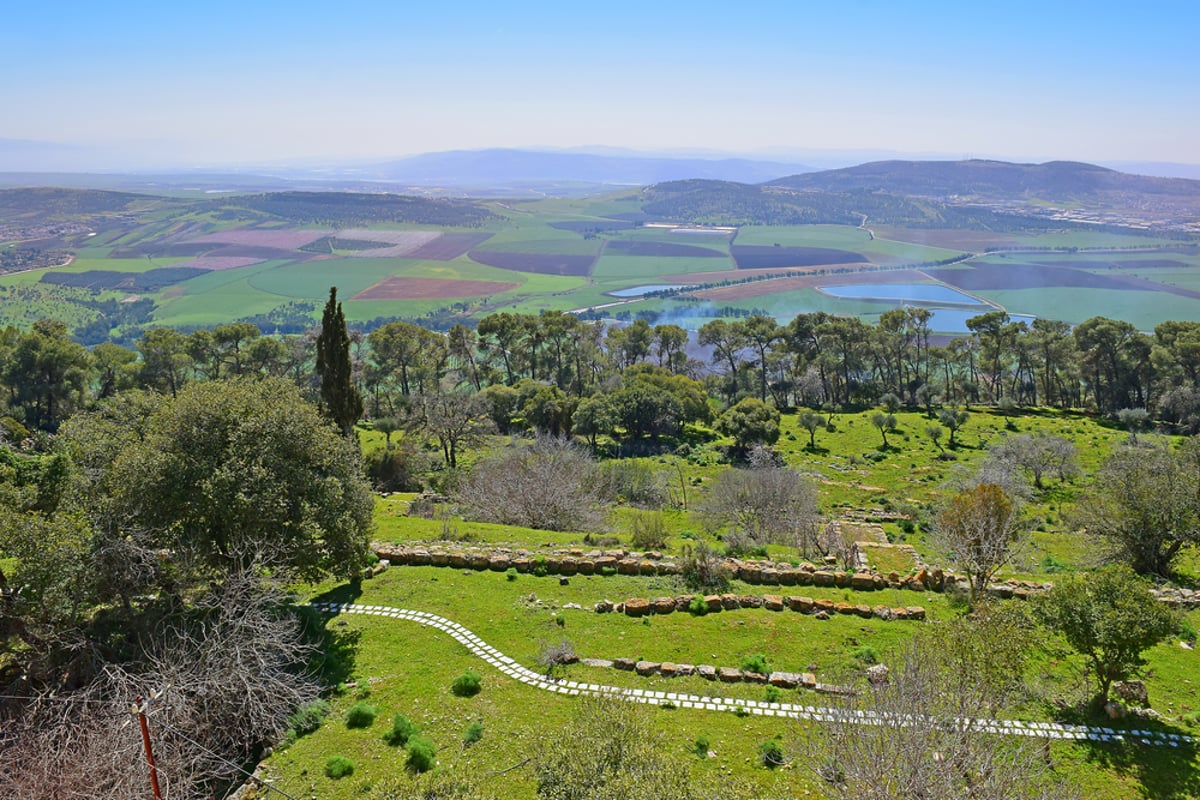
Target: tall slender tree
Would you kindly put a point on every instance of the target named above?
(340, 399)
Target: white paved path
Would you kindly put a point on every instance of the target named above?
(1050, 730)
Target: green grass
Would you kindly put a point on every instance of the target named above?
(1144, 310)
(634, 270)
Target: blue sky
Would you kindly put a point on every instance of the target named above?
(225, 83)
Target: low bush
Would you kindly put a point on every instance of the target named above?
(865, 654)
(510, 574)
(770, 754)
(307, 719)
(421, 754)
(338, 767)
(648, 531)
(361, 715)
(698, 606)
(474, 733)
(756, 663)
(700, 746)
(772, 694)
(467, 685)
(402, 730)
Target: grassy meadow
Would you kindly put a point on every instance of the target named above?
(404, 668)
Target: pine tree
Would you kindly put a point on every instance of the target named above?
(340, 400)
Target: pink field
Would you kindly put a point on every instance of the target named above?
(217, 263)
(263, 237)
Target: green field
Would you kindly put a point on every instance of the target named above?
(404, 668)
(526, 227)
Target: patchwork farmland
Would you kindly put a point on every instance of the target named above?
(205, 265)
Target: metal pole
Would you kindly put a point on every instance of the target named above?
(140, 709)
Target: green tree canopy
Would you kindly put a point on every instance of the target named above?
(227, 467)
(1109, 617)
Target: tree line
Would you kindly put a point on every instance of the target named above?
(816, 360)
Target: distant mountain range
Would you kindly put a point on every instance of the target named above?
(492, 169)
(994, 181)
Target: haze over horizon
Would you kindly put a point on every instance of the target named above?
(158, 86)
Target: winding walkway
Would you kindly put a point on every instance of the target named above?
(1048, 730)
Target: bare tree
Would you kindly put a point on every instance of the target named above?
(1038, 455)
(978, 530)
(764, 504)
(225, 677)
(926, 741)
(455, 419)
(552, 484)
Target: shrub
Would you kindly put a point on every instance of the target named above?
(466, 685)
(402, 730)
(649, 532)
(772, 694)
(700, 746)
(474, 733)
(421, 754)
(698, 606)
(510, 574)
(865, 654)
(361, 715)
(307, 719)
(635, 482)
(551, 485)
(540, 569)
(770, 754)
(756, 663)
(338, 767)
(703, 569)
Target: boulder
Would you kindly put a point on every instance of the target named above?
(863, 611)
(784, 680)
(603, 607)
(707, 671)
(714, 602)
(750, 601)
(802, 604)
(628, 566)
(647, 568)
(804, 577)
(663, 605)
(569, 565)
(808, 680)
(729, 674)
(842, 607)
(877, 674)
(772, 602)
(915, 612)
(668, 670)
(823, 578)
(499, 562)
(596, 662)
(729, 602)
(637, 607)
(646, 667)
(753, 677)
(626, 664)
(684, 669)
(883, 613)
(438, 558)
(862, 581)
(1132, 693)
(683, 602)
(477, 561)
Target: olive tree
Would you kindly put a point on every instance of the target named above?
(1145, 504)
(1108, 616)
(228, 468)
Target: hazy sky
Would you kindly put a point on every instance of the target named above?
(228, 82)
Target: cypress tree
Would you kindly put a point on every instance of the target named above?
(340, 400)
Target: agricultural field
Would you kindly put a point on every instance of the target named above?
(202, 265)
(399, 667)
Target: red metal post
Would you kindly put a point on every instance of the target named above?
(141, 713)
